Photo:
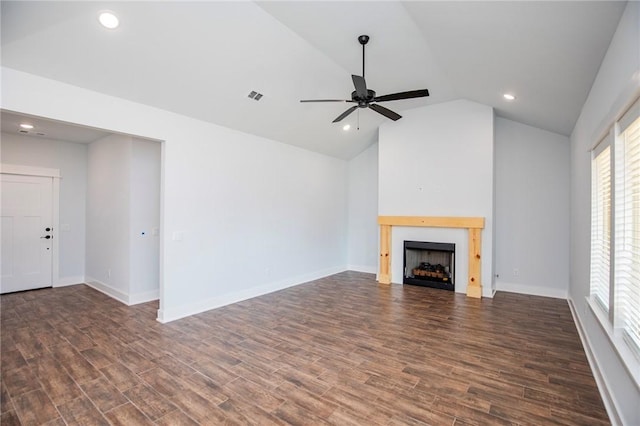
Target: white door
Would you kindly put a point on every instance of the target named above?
(26, 232)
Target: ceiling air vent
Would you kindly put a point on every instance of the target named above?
(255, 95)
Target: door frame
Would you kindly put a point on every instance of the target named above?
(14, 169)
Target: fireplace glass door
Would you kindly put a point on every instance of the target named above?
(429, 264)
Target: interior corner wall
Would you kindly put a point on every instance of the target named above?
(144, 203)
(71, 160)
(438, 161)
(532, 210)
(363, 211)
(108, 217)
(241, 215)
(617, 83)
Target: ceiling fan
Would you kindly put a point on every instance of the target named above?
(365, 98)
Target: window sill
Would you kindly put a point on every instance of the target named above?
(625, 353)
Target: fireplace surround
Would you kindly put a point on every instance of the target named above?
(474, 226)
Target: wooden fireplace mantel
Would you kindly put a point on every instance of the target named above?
(474, 226)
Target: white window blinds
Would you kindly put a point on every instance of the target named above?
(601, 223)
(627, 229)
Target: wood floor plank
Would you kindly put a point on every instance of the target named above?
(5, 400)
(150, 402)
(20, 380)
(127, 415)
(76, 365)
(104, 394)
(9, 418)
(121, 377)
(35, 408)
(175, 418)
(81, 411)
(54, 380)
(342, 350)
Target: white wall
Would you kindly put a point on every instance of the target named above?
(144, 203)
(123, 255)
(438, 161)
(363, 211)
(71, 160)
(241, 215)
(108, 218)
(532, 210)
(617, 84)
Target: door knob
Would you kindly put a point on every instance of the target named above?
(47, 229)
(46, 237)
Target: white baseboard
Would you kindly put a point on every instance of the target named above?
(363, 268)
(144, 297)
(488, 292)
(120, 296)
(172, 314)
(108, 290)
(65, 281)
(607, 399)
(532, 290)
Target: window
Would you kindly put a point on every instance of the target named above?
(615, 227)
(627, 233)
(601, 223)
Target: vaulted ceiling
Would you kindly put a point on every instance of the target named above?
(201, 59)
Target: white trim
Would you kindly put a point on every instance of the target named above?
(108, 290)
(172, 314)
(55, 223)
(533, 290)
(363, 268)
(15, 169)
(601, 382)
(66, 281)
(144, 297)
(488, 292)
(620, 346)
(120, 296)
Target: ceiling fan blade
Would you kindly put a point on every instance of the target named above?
(344, 114)
(326, 100)
(360, 85)
(386, 112)
(402, 95)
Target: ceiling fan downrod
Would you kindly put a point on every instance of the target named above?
(363, 39)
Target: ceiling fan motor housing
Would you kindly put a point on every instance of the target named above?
(363, 102)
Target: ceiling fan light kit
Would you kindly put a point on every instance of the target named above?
(365, 98)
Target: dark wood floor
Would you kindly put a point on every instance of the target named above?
(342, 350)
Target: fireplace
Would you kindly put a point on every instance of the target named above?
(429, 264)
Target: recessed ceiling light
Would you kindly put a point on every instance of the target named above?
(509, 97)
(346, 127)
(26, 126)
(108, 20)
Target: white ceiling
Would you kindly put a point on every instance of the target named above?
(48, 129)
(201, 59)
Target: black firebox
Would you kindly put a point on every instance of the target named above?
(429, 264)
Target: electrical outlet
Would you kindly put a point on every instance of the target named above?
(108, 273)
(516, 272)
